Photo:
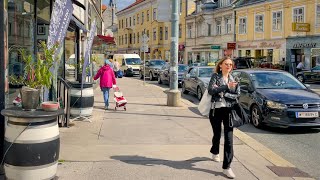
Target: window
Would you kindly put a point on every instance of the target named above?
(154, 34)
(142, 17)
(119, 24)
(126, 39)
(154, 14)
(298, 14)
(130, 22)
(223, 3)
(122, 23)
(138, 19)
(148, 33)
(259, 23)
(242, 25)
(134, 20)
(160, 33)
(277, 21)
(130, 38)
(138, 37)
(119, 40)
(218, 29)
(134, 38)
(148, 15)
(228, 26)
(318, 15)
(180, 30)
(180, 7)
(189, 30)
(122, 40)
(209, 29)
(166, 33)
(199, 29)
(126, 22)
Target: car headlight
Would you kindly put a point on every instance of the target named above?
(275, 105)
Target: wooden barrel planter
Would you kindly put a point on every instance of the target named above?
(81, 106)
(31, 144)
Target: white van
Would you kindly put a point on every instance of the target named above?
(130, 63)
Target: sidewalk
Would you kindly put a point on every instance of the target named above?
(153, 141)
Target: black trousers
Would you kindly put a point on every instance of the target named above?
(222, 115)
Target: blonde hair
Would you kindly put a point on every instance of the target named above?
(218, 69)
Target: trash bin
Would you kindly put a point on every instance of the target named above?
(32, 143)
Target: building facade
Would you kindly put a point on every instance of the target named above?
(281, 32)
(142, 17)
(210, 32)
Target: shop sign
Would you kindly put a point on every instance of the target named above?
(301, 27)
(231, 45)
(261, 45)
(215, 47)
(304, 45)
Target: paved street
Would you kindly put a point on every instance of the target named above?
(300, 147)
(153, 141)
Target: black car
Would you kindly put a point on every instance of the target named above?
(276, 98)
(164, 73)
(243, 63)
(312, 75)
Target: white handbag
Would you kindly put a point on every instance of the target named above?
(205, 104)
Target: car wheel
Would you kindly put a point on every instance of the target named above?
(199, 93)
(256, 117)
(151, 76)
(141, 75)
(159, 80)
(300, 78)
(184, 91)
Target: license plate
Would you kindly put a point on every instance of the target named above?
(307, 114)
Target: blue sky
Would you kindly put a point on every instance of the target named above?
(121, 3)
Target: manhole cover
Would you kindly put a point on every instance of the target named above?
(288, 171)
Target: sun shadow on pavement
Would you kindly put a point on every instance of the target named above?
(186, 164)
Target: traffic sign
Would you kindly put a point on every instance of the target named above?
(144, 48)
(144, 39)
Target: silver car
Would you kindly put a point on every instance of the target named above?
(152, 68)
(196, 80)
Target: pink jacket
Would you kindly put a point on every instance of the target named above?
(106, 75)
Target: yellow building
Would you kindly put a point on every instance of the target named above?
(142, 17)
(282, 31)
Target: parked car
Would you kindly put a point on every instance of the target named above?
(164, 73)
(243, 63)
(312, 75)
(197, 64)
(152, 68)
(276, 98)
(196, 80)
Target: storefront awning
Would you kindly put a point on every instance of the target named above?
(107, 39)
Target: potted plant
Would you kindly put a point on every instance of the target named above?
(37, 75)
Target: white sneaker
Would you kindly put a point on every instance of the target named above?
(216, 157)
(229, 173)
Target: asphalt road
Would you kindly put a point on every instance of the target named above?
(301, 147)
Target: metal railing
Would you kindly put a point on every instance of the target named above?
(64, 90)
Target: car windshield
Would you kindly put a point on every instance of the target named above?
(275, 80)
(205, 72)
(133, 61)
(157, 63)
(182, 68)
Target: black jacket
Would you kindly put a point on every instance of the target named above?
(229, 95)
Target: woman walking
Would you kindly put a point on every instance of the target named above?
(107, 81)
(224, 91)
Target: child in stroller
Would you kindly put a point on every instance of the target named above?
(119, 99)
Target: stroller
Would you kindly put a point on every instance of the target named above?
(119, 99)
